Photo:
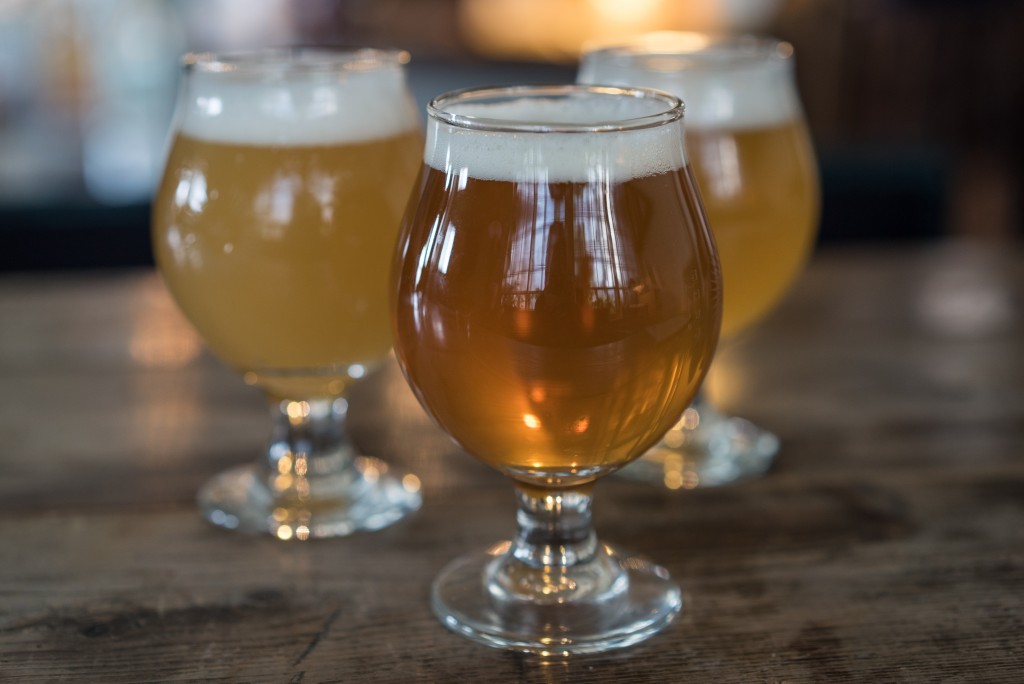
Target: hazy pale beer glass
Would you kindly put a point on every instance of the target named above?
(557, 306)
(754, 165)
(274, 228)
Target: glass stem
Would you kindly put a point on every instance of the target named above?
(308, 441)
(554, 528)
(555, 556)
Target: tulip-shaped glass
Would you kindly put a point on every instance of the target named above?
(274, 227)
(753, 161)
(557, 307)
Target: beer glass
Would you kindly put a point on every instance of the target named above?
(754, 166)
(274, 227)
(557, 306)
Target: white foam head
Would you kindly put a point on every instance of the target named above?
(557, 139)
(302, 98)
(737, 85)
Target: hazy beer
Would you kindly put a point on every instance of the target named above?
(760, 190)
(276, 236)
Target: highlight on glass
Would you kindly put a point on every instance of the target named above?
(274, 227)
(755, 167)
(558, 302)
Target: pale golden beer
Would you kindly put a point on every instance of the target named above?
(274, 227)
(761, 194)
(279, 254)
(750, 153)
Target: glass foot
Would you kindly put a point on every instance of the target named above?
(706, 449)
(641, 601)
(367, 497)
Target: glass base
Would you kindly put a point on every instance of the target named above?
(367, 497)
(706, 449)
(469, 600)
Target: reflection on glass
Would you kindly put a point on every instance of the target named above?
(274, 227)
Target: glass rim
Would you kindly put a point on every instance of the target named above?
(696, 47)
(294, 59)
(436, 109)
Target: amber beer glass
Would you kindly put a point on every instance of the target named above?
(274, 227)
(557, 306)
(755, 169)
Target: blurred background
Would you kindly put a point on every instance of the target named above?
(916, 106)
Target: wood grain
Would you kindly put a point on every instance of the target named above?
(887, 544)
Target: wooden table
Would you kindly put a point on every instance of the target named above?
(887, 545)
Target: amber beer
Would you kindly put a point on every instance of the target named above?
(275, 235)
(543, 316)
(750, 154)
